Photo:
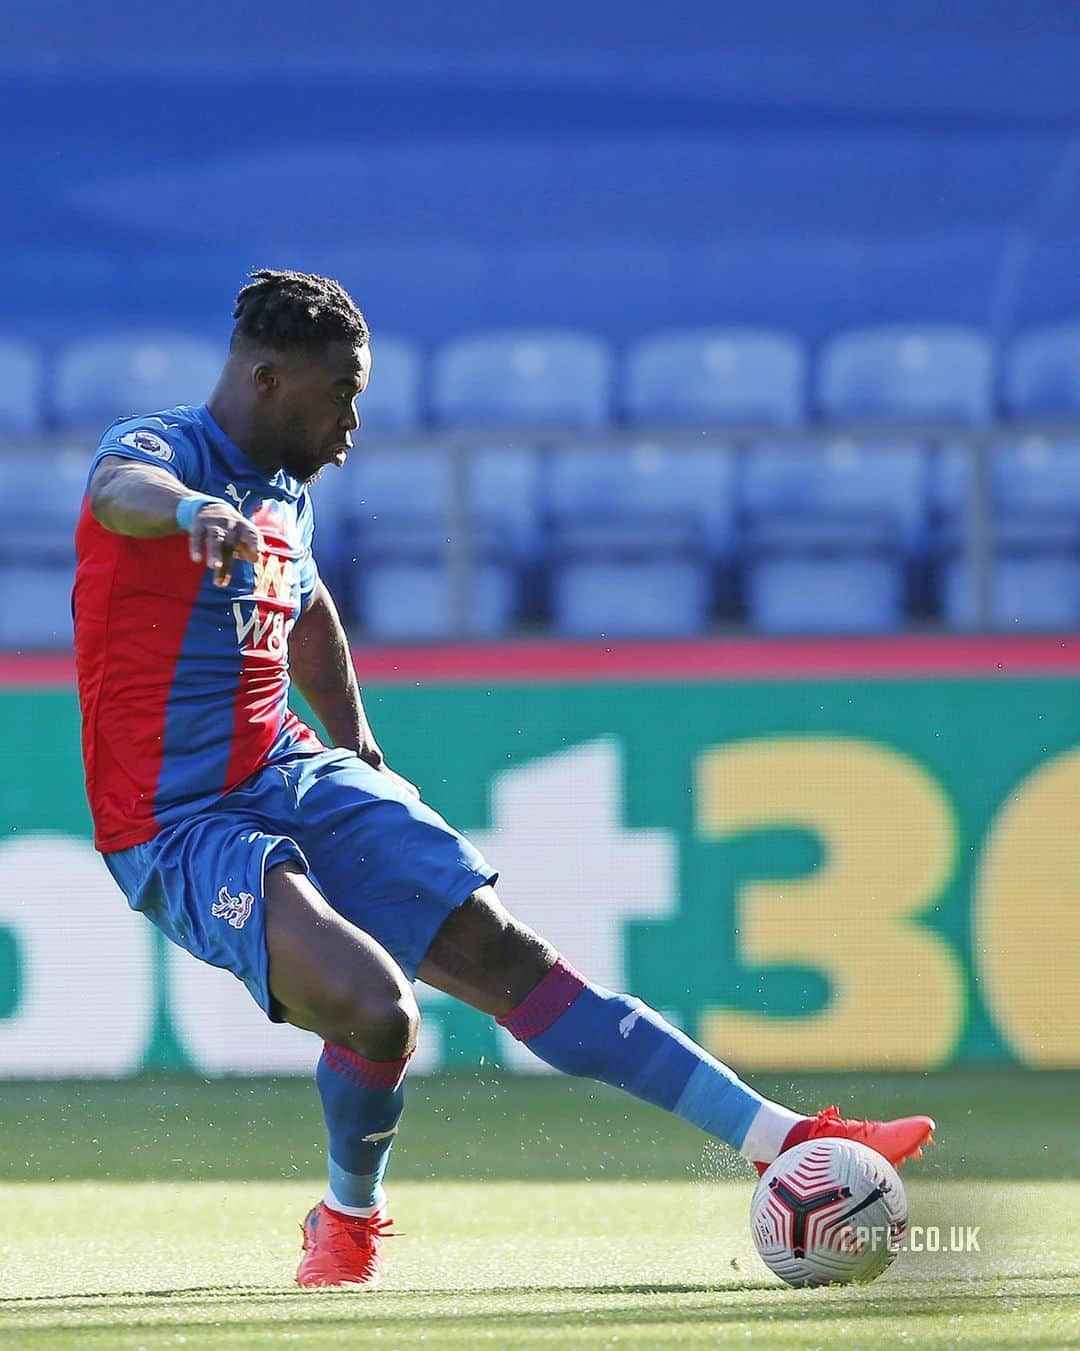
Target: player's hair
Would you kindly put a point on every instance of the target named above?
(292, 311)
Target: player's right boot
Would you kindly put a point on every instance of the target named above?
(341, 1249)
(897, 1140)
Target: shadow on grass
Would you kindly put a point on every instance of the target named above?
(782, 1302)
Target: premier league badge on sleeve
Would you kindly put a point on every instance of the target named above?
(148, 442)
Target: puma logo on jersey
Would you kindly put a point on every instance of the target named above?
(234, 910)
(233, 492)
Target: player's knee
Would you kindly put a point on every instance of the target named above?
(379, 1024)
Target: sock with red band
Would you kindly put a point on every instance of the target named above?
(585, 1030)
(362, 1101)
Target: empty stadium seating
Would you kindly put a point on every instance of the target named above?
(1033, 580)
(1042, 373)
(391, 401)
(400, 527)
(37, 554)
(537, 378)
(20, 388)
(907, 372)
(716, 375)
(101, 378)
(638, 535)
(831, 532)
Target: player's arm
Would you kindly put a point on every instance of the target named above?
(322, 669)
(132, 498)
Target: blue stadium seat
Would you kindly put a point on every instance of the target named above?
(35, 605)
(831, 533)
(399, 531)
(529, 378)
(1042, 373)
(20, 388)
(888, 482)
(1034, 503)
(45, 521)
(105, 377)
(37, 554)
(636, 533)
(826, 590)
(630, 578)
(926, 372)
(637, 479)
(391, 402)
(719, 375)
(1033, 589)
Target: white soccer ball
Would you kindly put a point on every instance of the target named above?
(829, 1212)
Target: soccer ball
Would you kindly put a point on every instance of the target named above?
(828, 1211)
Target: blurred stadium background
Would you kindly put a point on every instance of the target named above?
(713, 551)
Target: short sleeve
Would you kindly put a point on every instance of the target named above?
(152, 440)
(306, 566)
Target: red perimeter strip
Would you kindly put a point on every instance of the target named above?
(698, 659)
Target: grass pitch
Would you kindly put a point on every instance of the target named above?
(164, 1213)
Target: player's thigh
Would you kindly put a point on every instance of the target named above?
(485, 957)
(329, 976)
(383, 859)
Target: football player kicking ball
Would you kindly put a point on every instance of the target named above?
(315, 873)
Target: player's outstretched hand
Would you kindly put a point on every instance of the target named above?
(220, 534)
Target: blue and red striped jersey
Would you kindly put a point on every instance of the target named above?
(184, 685)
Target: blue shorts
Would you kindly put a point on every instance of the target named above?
(384, 860)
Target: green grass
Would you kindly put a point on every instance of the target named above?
(531, 1213)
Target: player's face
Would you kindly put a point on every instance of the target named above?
(316, 413)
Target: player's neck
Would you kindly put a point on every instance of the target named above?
(238, 426)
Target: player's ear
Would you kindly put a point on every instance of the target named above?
(265, 377)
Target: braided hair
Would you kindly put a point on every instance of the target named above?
(292, 311)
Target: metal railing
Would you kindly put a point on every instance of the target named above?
(978, 517)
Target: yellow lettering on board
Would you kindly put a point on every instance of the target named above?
(887, 834)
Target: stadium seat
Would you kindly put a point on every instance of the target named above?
(831, 533)
(540, 378)
(636, 534)
(391, 402)
(1034, 535)
(925, 373)
(635, 479)
(630, 578)
(101, 378)
(45, 521)
(35, 604)
(715, 376)
(1042, 373)
(37, 553)
(20, 388)
(400, 531)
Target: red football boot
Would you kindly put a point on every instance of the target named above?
(897, 1140)
(341, 1249)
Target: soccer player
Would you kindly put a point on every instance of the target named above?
(312, 871)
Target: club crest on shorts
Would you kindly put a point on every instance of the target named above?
(234, 910)
(148, 442)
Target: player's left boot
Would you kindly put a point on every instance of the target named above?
(341, 1249)
(897, 1140)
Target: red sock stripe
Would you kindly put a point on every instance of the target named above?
(375, 1074)
(547, 1003)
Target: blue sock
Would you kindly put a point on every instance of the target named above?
(362, 1101)
(585, 1030)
